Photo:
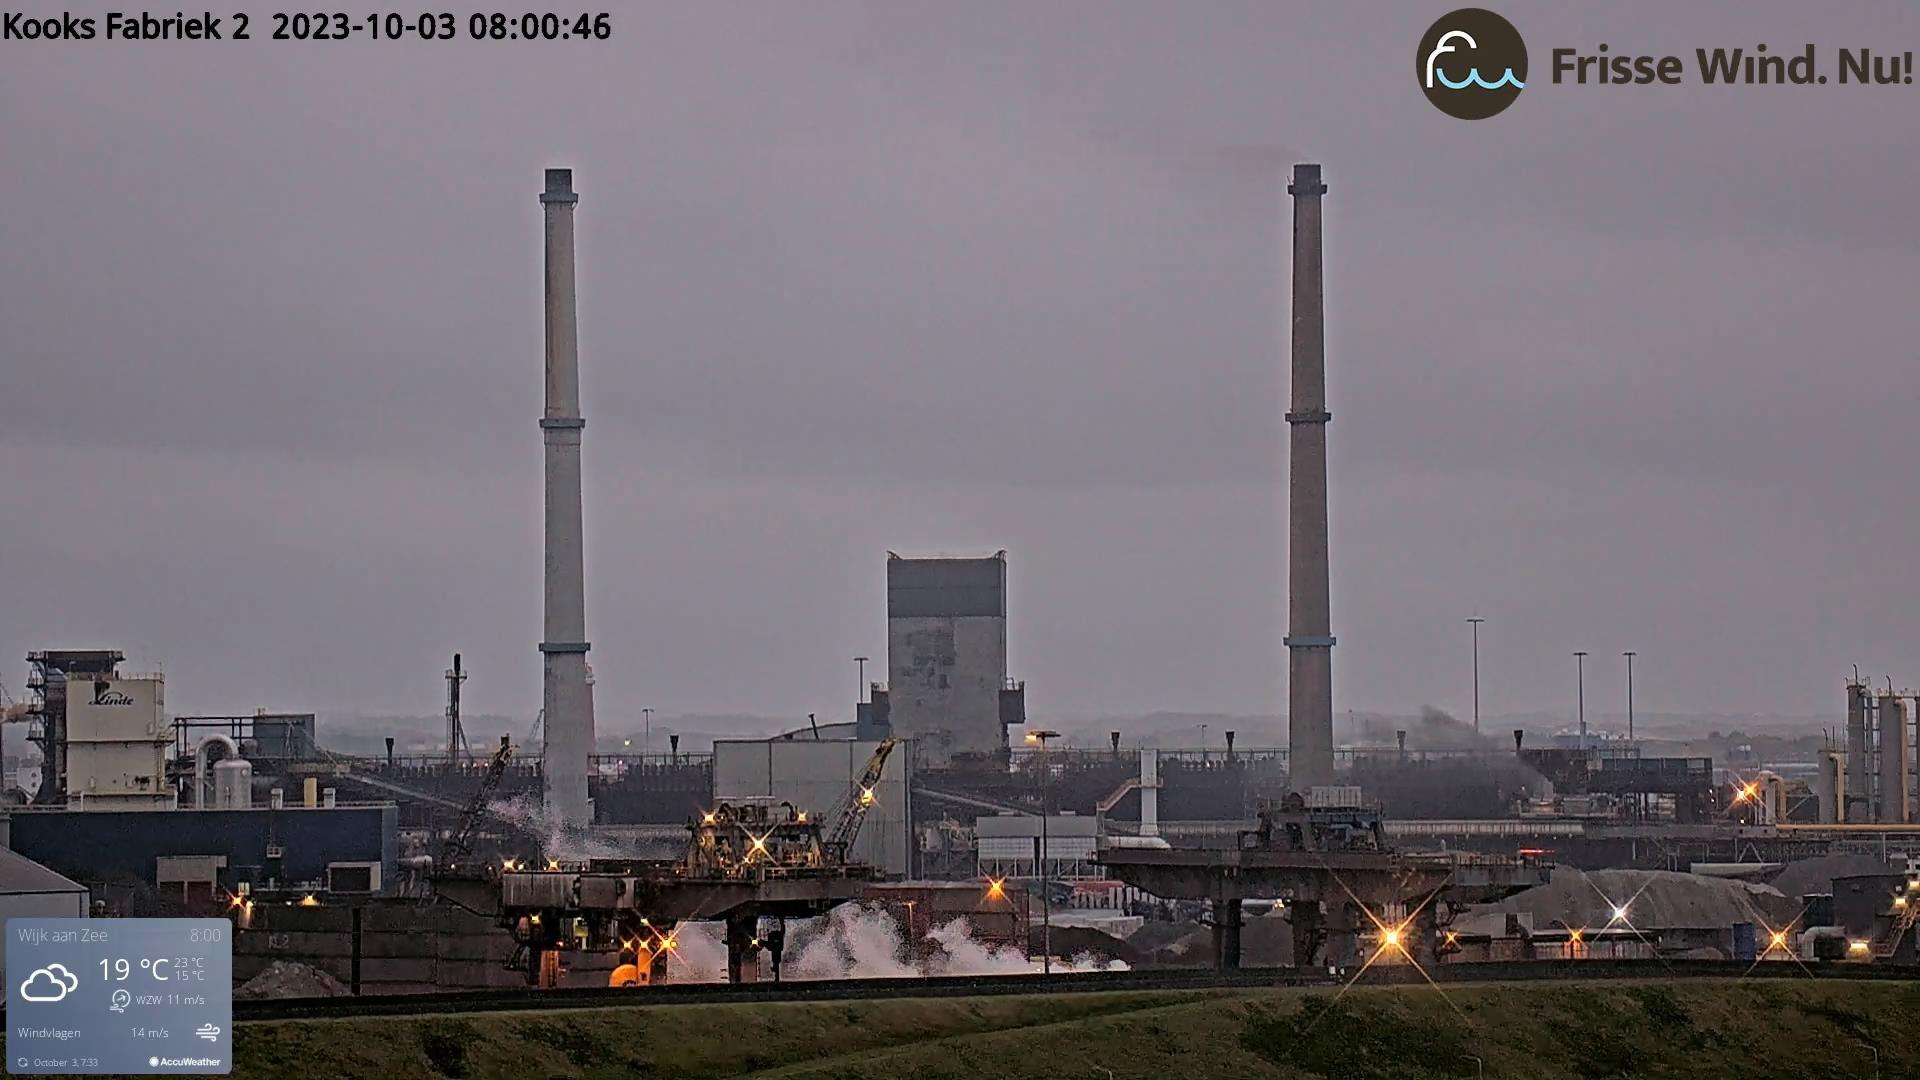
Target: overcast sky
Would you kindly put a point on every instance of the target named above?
(1623, 367)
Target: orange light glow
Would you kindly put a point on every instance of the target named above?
(1392, 939)
(996, 888)
(309, 901)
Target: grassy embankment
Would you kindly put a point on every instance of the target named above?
(1749, 1030)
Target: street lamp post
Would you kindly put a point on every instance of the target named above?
(1629, 654)
(646, 730)
(1580, 699)
(1475, 622)
(860, 691)
(1039, 738)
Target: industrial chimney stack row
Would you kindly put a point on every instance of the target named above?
(1872, 781)
(567, 694)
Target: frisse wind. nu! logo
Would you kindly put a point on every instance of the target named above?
(1472, 63)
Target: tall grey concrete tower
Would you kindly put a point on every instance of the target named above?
(1309, 620)
(566, 697)
(947, 656)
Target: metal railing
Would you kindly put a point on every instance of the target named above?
(289, 805)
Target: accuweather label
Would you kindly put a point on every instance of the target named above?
(119, 996)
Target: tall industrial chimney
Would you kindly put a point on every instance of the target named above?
(566, 698)
(1858, 784)
(1309, 623)
(1896, 765)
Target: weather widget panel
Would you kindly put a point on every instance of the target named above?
(119, 996)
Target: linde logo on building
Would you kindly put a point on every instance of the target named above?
(1472, 64)
(105, 694)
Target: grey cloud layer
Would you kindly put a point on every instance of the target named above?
(1621, 368)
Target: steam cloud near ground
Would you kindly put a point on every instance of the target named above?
(857, 942)
(529, 814)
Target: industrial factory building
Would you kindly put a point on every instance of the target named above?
(818, 777)
(337, 848)
(162, 815)
(458, 865)
(1871, 779)
(947, 683)
(117, 740)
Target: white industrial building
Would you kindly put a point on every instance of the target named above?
(1011, 846)
(117, 736)
(818, 776)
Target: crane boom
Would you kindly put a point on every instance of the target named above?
(462, 832)
(847, 822)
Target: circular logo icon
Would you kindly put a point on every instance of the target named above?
(1472, 63)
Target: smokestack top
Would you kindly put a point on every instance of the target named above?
(559, 187)
(1306, 180)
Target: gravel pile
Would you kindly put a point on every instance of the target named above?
(1655, 899)
(1816, 875)
(1265, 941)
(1158, 935)
(285, 979)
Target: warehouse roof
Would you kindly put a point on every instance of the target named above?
(19, 874)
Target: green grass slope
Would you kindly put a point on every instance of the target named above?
(1749, 1030)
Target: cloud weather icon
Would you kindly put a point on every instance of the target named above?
(51, 983)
